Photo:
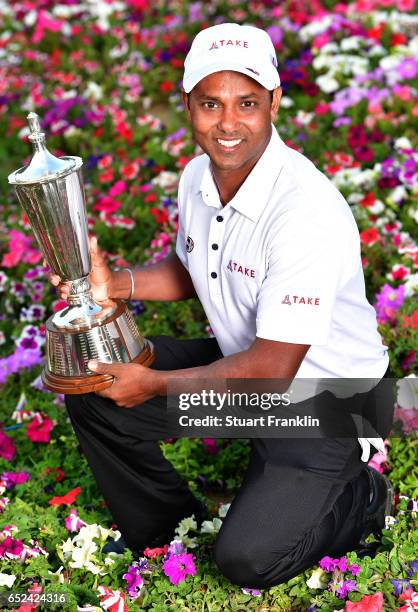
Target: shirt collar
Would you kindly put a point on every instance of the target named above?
(251, 197)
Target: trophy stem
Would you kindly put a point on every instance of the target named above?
(82, 312)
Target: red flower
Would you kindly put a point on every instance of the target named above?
(107, 176)
(161, 216)
(368, 200)
(67, 499)
(369, 236)
(397, 39)
(410, 322)
(363, 153)
(368, 603)
(167, 86)
(155, 552)
(39, 429)
(130, 170)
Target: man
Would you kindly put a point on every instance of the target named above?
(271, 249)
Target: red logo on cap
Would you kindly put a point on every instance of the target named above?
(225, 43)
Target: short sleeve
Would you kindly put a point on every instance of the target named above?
(305, 268)
(181, 236)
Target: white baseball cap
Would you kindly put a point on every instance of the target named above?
(230, 46)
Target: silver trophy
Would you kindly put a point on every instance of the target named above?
(50, 190)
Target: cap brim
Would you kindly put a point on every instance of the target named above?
(269, 81)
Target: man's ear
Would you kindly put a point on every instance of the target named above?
(186, 102)
(275, 103)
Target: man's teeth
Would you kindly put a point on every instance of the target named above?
(229, 143)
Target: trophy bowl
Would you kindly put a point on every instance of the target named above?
(51, 192)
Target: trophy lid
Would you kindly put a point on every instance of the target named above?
(44, 166)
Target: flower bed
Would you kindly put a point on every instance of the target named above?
(105, 77)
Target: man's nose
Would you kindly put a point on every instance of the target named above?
(228, 121)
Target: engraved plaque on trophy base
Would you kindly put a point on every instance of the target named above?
(116, 339)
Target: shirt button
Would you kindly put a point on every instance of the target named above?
(219, 218)
(213, 274)
(215, 246)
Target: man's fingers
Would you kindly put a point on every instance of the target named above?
(105, 368)
(54, 279)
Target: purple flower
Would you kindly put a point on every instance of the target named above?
(413, 505)
(414, 568)
(134, 580)
(177, 567)
(399, 586)
(14, 478)
(276, 34)
(176, 548)
(342, 564)
(252, 592)
(388, 301)
(328, 564)
(345, 587)
(354, 569)
(408, 68)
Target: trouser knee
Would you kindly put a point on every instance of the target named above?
(243, 565)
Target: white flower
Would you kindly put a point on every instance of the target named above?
(212, 526)
(167, 180)
(185, 525)
(377, 207)
(7, 580)
(304, 118)
(286, 102)
(317, 579)
(223, 509)
(403, 143)
(407, 389)
(351, 43)
(30, 19)
(327, 83)
(397, 194)
(411, 285)
(81, 555)
(58, 576)
(93, 90)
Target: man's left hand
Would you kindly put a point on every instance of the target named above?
(133, 384)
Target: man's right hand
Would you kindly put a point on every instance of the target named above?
(100, 277)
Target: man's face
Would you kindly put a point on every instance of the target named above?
(231, 117)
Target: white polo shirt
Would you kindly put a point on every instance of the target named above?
(280, 261)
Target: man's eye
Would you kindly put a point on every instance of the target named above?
(249, 103)
(209, 105)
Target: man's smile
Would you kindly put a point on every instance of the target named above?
(229, 145)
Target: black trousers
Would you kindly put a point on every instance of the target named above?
(300, 499)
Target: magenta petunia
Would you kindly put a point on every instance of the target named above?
(7, 447)
(177, 567)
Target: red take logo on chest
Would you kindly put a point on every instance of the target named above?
(234, 266)
(300, 299)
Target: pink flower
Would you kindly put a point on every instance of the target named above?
(39, 429)
(7, 447)
(410, 598)
(176, 567)
(405, 5)
(11, 548)
(20, 250)
(378, 460)
(112, 600)
(118, 188)
(368, 603)
(73, 522)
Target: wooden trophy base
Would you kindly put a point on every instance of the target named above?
(74, 385)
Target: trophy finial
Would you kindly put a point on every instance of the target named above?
(36, 135)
